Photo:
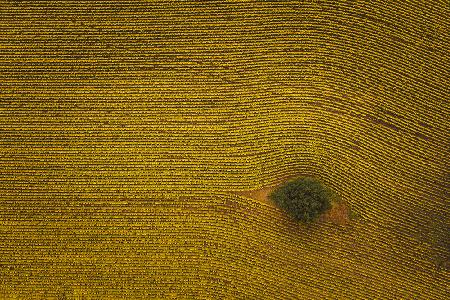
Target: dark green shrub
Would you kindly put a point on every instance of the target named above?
(303, 198)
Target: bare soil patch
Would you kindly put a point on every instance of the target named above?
(338, 214)
(261, 195)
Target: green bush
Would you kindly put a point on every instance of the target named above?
(303, 198)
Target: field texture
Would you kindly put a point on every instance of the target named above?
(129, 131)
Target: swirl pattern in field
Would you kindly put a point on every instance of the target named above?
(128, 126)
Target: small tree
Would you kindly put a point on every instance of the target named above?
(303, 198)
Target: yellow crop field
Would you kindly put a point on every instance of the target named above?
(139, 138)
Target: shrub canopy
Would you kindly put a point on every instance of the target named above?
(303, 198)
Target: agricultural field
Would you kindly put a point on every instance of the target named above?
(139, 141)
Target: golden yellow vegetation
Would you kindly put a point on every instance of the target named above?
(128, 126)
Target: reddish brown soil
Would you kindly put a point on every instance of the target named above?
(338, 214)
(261, 195)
